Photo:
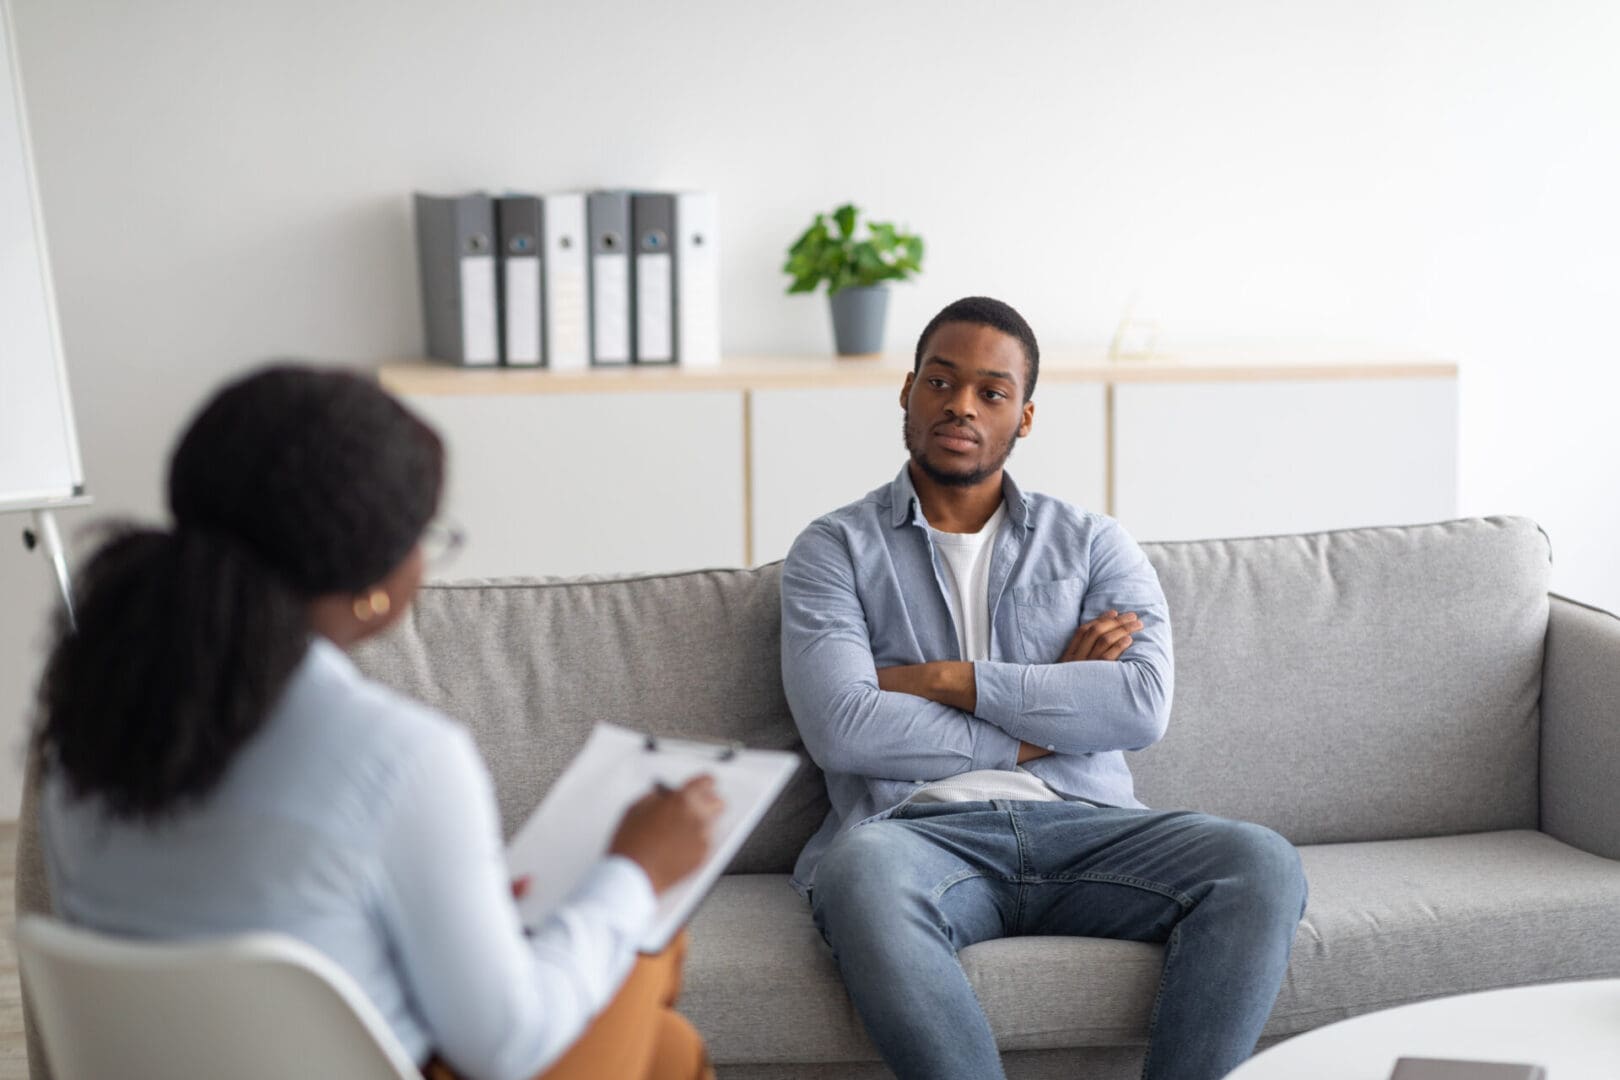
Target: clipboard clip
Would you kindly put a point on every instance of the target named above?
(718, 751)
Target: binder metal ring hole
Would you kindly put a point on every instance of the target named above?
(478, 242)
(610, 241)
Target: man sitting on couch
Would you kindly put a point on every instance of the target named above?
(967, 663)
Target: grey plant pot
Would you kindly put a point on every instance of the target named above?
(857, 314)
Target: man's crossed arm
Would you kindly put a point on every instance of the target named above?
(929, 721)
(951, 682)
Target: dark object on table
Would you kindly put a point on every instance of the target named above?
(1450, 1069)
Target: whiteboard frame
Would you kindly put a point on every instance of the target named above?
(75, 495)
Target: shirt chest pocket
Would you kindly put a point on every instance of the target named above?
(1047, 615)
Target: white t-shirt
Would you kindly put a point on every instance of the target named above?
(967, 582)
(967, 591)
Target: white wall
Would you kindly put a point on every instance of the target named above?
(228, 181)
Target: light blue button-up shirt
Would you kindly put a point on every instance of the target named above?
(364, 824)
(863, 588)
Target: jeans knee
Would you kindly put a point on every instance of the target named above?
(856, 862)
(860, 883)
(1268, 867)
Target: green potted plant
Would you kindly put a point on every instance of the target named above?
(855, 260)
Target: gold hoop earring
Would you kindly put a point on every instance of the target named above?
(373, 605)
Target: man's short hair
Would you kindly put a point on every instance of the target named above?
(984, 311)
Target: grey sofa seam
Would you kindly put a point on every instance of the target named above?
(1493, 518)
(577, 582)
(1583, 604)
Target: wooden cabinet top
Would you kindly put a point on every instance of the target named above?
(1226, 363)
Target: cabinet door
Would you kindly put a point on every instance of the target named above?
(1196, 460)
(816, 450)
(592, 483)
(1066, 452)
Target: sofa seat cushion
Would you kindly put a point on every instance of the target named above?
(1404, 920)
(1387, 923)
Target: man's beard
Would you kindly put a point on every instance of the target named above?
(955, 479)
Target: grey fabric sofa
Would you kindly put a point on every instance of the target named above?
(1410, 706)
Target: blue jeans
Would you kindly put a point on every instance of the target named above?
(897, 898)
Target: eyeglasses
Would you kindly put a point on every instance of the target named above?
(440, 541)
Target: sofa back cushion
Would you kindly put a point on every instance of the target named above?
(1357, 685)
(1367, 684)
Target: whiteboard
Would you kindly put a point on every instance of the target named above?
(39, 448)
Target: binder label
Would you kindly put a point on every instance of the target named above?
(610, 308)
(655, 339)
(479, 344)
(522, 310)
(570, 345)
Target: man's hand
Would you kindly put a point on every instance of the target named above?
(1103, 638)
(666, 832)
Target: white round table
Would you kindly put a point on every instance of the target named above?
(1571, 1029)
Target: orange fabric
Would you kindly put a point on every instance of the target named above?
(638, 1036)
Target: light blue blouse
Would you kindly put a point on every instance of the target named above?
(364, 823)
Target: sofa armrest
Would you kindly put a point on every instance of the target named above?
(1580, 728)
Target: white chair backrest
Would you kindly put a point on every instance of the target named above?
(251, 1007)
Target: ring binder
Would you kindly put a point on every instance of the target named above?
(455, 247)
(608, 220)
(652, 223)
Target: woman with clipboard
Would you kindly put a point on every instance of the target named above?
(214, 764)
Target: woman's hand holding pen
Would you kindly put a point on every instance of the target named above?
(666, 832)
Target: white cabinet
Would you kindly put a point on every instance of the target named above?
(617, 470)
(592, 483)
(1252, 458)
(1066, 452)
(815, 450)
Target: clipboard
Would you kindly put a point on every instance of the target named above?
(569, 832)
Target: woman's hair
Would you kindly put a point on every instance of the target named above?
(290, 484)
